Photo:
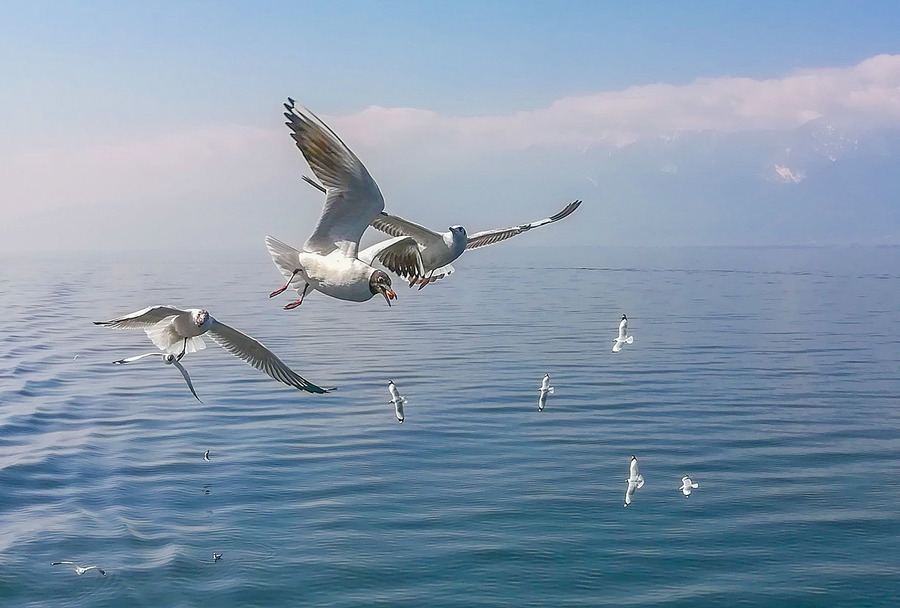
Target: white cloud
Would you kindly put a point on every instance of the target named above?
(867, 95)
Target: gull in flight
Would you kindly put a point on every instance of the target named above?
(623, 338)
(330, 261)
(397, 400)
(216, 557)
(439, 249)
(78, 569)
(179, 331)
(168, 359)
(545, 390)
(687, 484)
(206, 456)
(635, 480)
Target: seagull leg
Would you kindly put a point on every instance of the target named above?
(293, 305)
(183, 349)
(286, 285)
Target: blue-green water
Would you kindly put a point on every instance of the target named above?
(772, 377)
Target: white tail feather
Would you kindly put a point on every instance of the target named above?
(286, 259)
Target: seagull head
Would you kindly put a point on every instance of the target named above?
(380, 282)
(624, 318)
(201, 317)
(169, 359)
(458, 230)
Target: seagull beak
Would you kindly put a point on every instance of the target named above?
(388, 295)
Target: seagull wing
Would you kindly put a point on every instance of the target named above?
(397, 226)
(187, 378)
(352, 197)
(246, 348)
(138, 358)
(489, 237)
(142, 319)
(401, 255)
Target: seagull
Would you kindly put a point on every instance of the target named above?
(216, 557)
(635, 480)
(397, 400)
(330, 261)
(78, 569)
(623, 337)
(172, 329)
(687, 485)
(439, 249)
(206, 456)
(168, 359)
(545, 390)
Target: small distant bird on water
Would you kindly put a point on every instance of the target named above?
(397, 400)
(545, 390)
(78, 569)
(687, 484)
(168, 359)
(206, 456)
(216, 557)
(174, 330)
(623, 338)
(635, 480)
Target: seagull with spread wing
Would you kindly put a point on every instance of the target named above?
(439, 249)
(330, 261)
(168, 359)
(179, 331)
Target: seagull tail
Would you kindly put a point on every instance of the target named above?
(629, 340)
(550, 390)
(286, 258)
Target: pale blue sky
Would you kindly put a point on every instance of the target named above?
(78, 77)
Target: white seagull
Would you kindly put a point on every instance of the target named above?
(330, 261)
(635, 480)
(397, 400)
(439, 249)
(545, 390)
(216, 557)
(174, 330)
(168, 359)
(623, 337)
(78, 569)
(687, 485)
(206, 456)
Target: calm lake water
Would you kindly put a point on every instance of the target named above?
(771, 376)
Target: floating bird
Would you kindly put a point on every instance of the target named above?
(439, 249)
(216, 557)
(545, 390)
(623, 337)
(206, 456)
(635, 480)
(330, 261)
(78, 569)
(172, 329)
(397, 400)
(168, 359)
(687, 485)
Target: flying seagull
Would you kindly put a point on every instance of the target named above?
(545, 390)
(330, 261)
(179, 331)
(168, 359)
(78, 569)
(397, 400)
(635, 480)
(623, 337)
(439, 249)
(216, 557)
(206, 456)
(687, 485)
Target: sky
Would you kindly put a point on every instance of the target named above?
(147, 125)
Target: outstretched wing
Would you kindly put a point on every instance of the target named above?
(142, 319)
(401, 255)
(187, 379)
(489, 237)
(352, 197)
(397, 226)
(138, 358)
(246, 348)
